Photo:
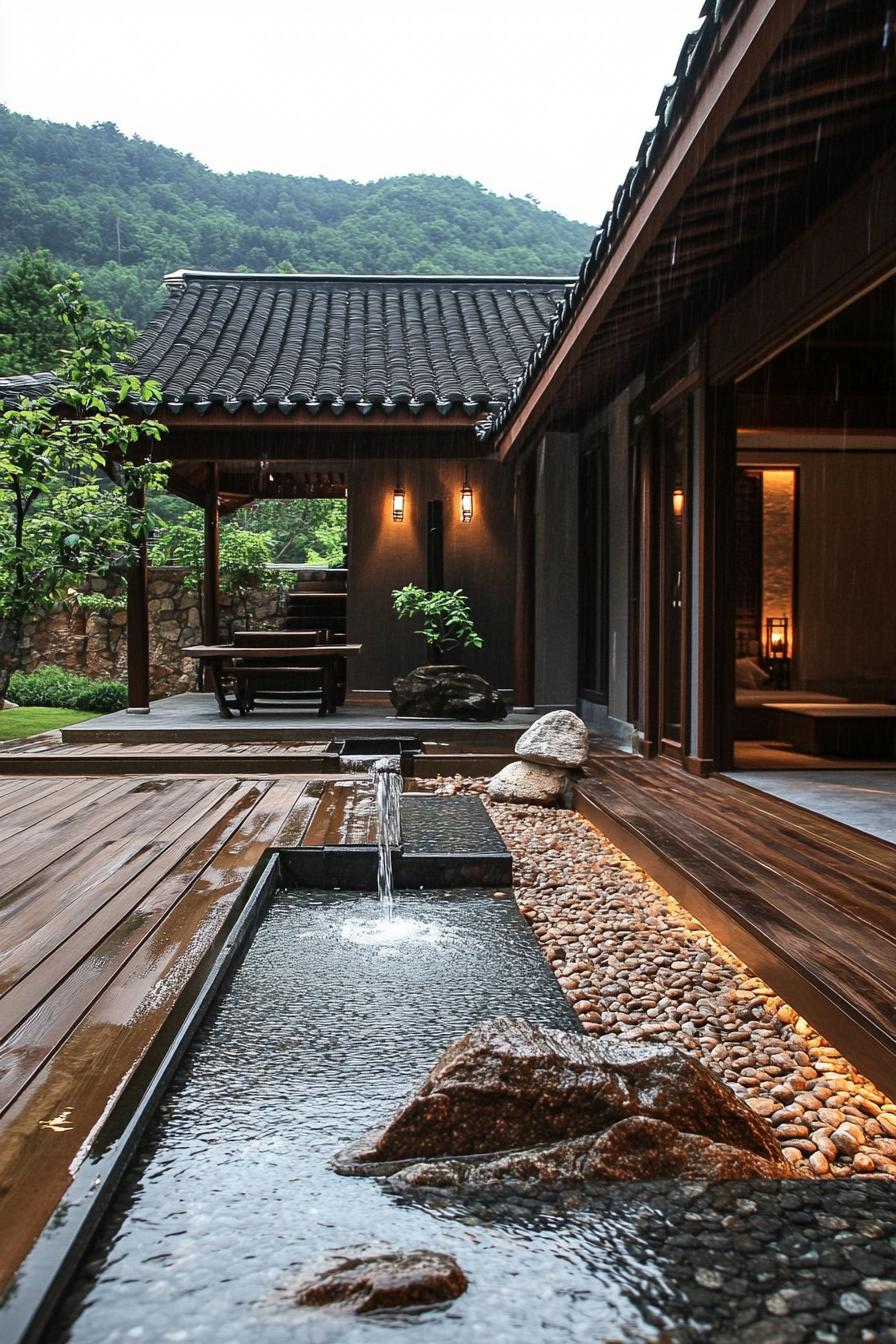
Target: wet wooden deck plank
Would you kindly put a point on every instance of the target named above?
(73, 1038)
(807, 903)
(120, 758)
(343, 816)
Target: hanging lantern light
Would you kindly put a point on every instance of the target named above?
(466, 498)
(678, 501)
(398, 502)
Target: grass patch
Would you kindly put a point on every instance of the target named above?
(36, 719)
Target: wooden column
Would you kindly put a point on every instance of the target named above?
(524, 592)
(715, 651)
(138, 625)
(211, 582)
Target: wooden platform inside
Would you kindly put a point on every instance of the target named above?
(115, 895)
(808, 903)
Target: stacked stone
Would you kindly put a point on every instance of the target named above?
(94, 644)
(634, 963)
(551, 747)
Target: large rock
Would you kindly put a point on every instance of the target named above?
(637, 1149)
(559, 738)
(508, 1084)
(446, 691)
(521, 782)
(373, 1278)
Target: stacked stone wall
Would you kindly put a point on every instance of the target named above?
(94, 644)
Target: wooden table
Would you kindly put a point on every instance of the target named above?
(216, 656)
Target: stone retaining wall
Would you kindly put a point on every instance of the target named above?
(96, 645)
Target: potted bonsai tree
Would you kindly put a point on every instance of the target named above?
(440, 689)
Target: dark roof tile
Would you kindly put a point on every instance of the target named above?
(277, 341)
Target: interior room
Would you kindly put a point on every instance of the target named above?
(815, 552)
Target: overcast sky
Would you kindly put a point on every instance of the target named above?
(548, 98)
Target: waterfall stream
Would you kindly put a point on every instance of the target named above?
(388, 785)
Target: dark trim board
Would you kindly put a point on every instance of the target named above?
(807, 903)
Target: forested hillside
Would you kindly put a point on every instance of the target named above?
(124, 211)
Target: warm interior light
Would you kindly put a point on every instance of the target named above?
(678, 501)
(398, 504)
(466, 499)
(777, 630)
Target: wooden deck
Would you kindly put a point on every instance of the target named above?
(114, 893)
(42, 756)
(808, 903)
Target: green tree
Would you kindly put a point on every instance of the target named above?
(244, 557)
(125, 211)
(302, 531)
(71, 470)
(32, 329)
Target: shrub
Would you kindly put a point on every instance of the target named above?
(54, 688)
(446, 617)
(98, 604)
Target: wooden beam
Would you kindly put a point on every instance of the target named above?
(301, 422)
(211, 580)
(744, 55)
(849, 251)
(138, 625)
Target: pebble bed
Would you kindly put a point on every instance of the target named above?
(633, 962)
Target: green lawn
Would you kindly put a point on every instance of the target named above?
(24, 722)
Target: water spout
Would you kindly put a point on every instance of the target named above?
(388, 786)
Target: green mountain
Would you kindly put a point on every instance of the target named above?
(123, 211)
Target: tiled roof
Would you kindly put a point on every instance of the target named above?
(327, 342)
(28, 385)
(691, 64)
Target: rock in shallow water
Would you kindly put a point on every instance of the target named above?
(446, 691)
(370, 1278)
(521, 782)
(559, 739)
(508, 1084)
(637, 1149)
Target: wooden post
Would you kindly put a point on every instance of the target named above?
(138, 625)
(715, 670)
(524, 592)
(211, 582)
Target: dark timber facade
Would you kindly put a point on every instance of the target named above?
(733, 323)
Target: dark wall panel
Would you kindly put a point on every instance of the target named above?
(478, 557)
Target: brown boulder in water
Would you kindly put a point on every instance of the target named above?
(509, 1084)
(637, 1149)
(373, 1278)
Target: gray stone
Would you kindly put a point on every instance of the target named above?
(446, 691)
(508, 1084)
(374, 1278)
(559, 739)
(521, 782)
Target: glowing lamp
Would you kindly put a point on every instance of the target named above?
(398, 504)
(678, 501)
(466, 499)
(776, 637)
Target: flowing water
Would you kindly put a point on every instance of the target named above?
(324, 1028)
(388, 785)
